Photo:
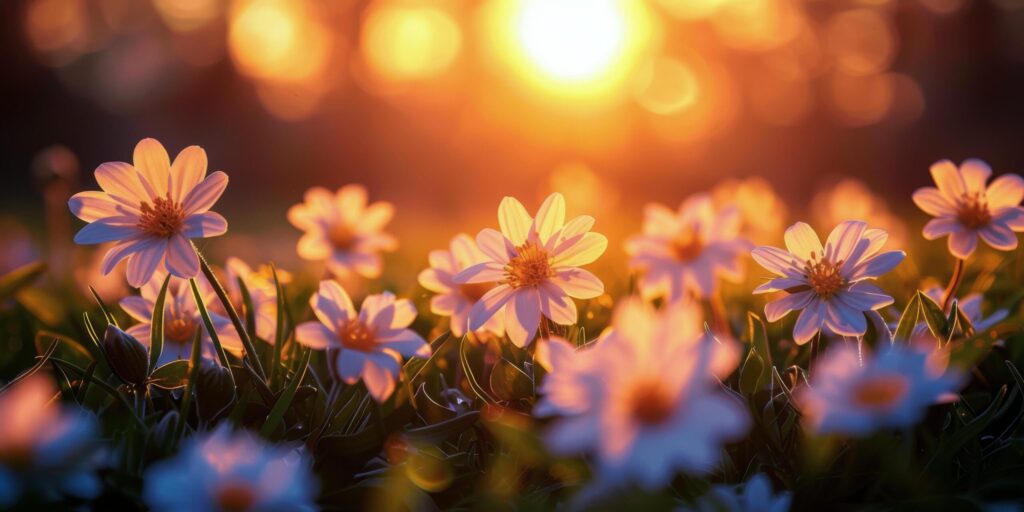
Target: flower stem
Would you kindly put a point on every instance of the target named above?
(250, 350)
(208, 322)
(954, 285)
(193, 374)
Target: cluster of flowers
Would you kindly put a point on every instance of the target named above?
(645, 399)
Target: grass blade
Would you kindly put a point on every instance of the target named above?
(156, 332)
(277, 413)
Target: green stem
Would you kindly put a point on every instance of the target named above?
(193, 366)
(954, 285)
(250, 350)
(210, 328)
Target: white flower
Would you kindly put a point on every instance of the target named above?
(181, 319)
(687, 251)
(965, 208)
(44, 448)
(367, 344)
(262, 291)
(643, 400)
(343, 230)
(152, 209)
(829, 284)
(892, 389)
(224, 470)
(535, 262)
(754, 496)
(454, 299)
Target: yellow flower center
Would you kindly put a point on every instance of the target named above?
(880, 392)
(531, 266)
(356, 335)
(341, 237)
(235, 497)
(688, 245)
(163, 219)
(973, 211)
(650, 403)
(179, 327)
(475, 291)
(823, 276)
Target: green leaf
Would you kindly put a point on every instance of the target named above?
(208, 321)
(758, 333)
(474, 385)
(438, 432)
(905, 328)
(172, 375)
(67, 348)
(509, 382)
(43, 359)
(19, 278)
(279, 333)
(69, 366)
(156, 331)
(934, 316)
(965, 324)
(103, 307)
(754, 373)
(250, 311)
(277, 413)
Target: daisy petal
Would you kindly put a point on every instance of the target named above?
(802, 241)
(106, 230)
(999, 237)
(514, 221)
(589, 247)
(121, 251)
(877, 265)
(486, 272)
(1006, 190)
(206, 193)
(93, 205)
(777, 261)
(1012, 217)
(843, 239)
(939, 227)
(407, 343)
(315, 335)
(962, 243)
(187, 171)
(349, 364)
(949, 180)
(205, 225)
(933, 202)
(578, 283)
(488, 305)
(550, 217)
(152, 162)
(494, 244)
(182, 259)
(379, 374)
(809, 322)
(556, 305)
(331, 304)
(775, 310)
(522, 316)
(121, 182)
(975, 173)
(143, 264)
(844, 320)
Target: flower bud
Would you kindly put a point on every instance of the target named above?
(214, 391)
(128, 358)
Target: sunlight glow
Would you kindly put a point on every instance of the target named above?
(409, 43)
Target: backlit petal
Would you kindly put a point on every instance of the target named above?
(514, 221)
(802, 241)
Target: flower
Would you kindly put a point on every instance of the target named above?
(829, 284)
(891, 389)
(644, 400)
(45, 448)
(763, 211)
(965, 208)
(850, 198)
(343, 230)
(454, 299)
(535, 262)
(686, 251)
(226, 471)
(152, 209)
(262, 292)
(367, 344)
(754, 496)
(181, 319)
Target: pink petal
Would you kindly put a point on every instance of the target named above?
(152, 162)
(1006, 190)
(940, 227)
(205, 225)
(809, 322)
(182, 260)
(435, 281)
(405, 314)
(777, 261)
(138, 308)
(446, 304)
(844, 239)
(802, 241)
(465, 252)
(522, 316)
(975, 173)
(578, 283)
(351, 201)
(407, 343)
(331, 304)
(1012, 217)
(379, 374)
(949, 180)
(550, 216)
(999, 237)
(775, 310)
(962, 243)
(107, 230)
(313, 246)
(375, 217)
(143, 264)
(316, 335)
(187, 171)
(877, 265)
(349, 364)
(206, 193)
(589, 247)
(488, 305)
(494, 244)
(933, 202)
(487, 272)
(121, 182)
(514, 221)
(556, 305)
(123, 250)
(844, 320)
(92, 206)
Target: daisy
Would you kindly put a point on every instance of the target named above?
(262, 291)
(535, 261)
(755, 495)
(644, 404)
(343, 230)
(45, 449)
(828, 283)
(453, 299)
(152, 209)
(227, 471)
(367, 344)
(891, 389)
(965, 208)
(686, 251)
(181, 320)
(763, 211)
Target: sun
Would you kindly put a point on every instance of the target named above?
(575, 49)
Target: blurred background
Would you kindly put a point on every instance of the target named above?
(836, 107)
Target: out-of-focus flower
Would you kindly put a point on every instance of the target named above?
(262, 290)
(763, 211)
(829, 284)
(89, 272)
(343, 230)
(754, 496)
(454, 299)
(687, 251)
(368, 343)
(16, 245)
(181, 319)
(535, 262)
(891, 389)
(45, 449)
(965, 208)
(152, 209)
(852, 199)
(224, 470)
(645, 403)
